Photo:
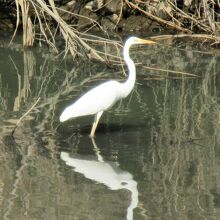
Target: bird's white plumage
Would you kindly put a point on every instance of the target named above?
(93, 101)
(105, 95)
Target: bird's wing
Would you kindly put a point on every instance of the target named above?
(97, 99)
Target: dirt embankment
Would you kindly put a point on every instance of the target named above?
(121, 15)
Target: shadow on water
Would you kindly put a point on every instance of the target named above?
(156, 154)
(102, 128)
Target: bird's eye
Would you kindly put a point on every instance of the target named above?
(124, 183)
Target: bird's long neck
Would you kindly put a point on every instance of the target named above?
(128, 85)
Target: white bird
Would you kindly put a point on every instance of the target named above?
(104, 96)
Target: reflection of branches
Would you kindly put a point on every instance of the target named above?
(17, 182)
(29, 68)
(3, 101)
(18, 98)
(178, 112)
(23, 116)
(186, 114)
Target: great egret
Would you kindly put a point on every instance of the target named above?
(104, 96)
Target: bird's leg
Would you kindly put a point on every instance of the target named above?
(95, 123)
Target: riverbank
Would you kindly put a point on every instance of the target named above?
(75, 20)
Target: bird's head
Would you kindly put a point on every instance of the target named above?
(136, 40)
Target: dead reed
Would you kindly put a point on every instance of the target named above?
(44, 21)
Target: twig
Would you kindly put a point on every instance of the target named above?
(196, 21)
(120, 14)
(171, 71)
(216, 39)
(17, 21)
(159, 20)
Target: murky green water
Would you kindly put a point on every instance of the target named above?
(156, 154)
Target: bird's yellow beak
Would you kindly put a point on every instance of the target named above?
(143, 41)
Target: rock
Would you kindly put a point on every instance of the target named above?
(106, 6)
(65, 9)
(160, 9)
(135, 23)
(5, 24)
(107, 24)
(86, 19)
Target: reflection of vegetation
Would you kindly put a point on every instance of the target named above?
(183, 162)
(176, 153)
(40, 79)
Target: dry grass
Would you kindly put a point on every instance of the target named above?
(45, 15)
(196, 16)
(28, 29)
(43, 21)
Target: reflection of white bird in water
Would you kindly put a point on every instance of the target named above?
(107, 173)
(102, 97)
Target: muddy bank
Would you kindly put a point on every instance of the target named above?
(122, 16)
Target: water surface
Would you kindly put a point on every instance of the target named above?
(156, 154)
